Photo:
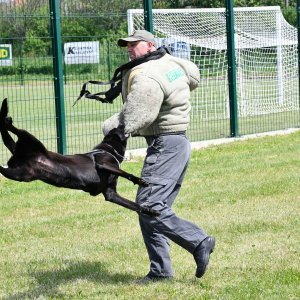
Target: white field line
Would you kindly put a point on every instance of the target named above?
(131, 154)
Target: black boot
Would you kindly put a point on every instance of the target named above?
(152, 278)
(201, 255)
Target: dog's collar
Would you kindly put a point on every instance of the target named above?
(104, 151)
(115, 151)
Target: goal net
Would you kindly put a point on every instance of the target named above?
(266, 50)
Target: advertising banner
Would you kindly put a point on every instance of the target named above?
(81, 53)
(5, 55)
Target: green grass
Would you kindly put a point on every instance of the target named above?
(63, 244)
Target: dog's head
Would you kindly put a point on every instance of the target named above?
(117, 134)
(117, 139)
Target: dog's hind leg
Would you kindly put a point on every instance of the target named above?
(7, 139)
(119, 172)
(6, 123)
(112, 196)
(4, 120)
(27, 143)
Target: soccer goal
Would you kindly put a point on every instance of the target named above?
(266, 49)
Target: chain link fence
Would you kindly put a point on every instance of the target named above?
(26, 74)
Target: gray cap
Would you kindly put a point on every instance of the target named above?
(137, 35)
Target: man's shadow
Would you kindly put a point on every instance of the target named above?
(49, 281)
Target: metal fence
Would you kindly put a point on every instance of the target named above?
(28, 82)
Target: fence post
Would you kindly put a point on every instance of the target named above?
(58, 75)
(108, 61)
(231, 69)
(298, 26)
(21, 63)
(148, 15)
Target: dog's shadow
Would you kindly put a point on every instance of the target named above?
(48, 282)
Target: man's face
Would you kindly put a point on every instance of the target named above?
(137, 49)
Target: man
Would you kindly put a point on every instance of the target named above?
(156, 105)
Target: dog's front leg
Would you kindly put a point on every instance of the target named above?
(119, 172)
(112, 196)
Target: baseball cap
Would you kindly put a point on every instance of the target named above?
(137, 35)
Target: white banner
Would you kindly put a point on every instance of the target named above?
(81, 53)
(5, 55)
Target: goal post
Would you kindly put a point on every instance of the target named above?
(266, 51)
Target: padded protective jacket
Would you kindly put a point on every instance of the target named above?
(156, 97)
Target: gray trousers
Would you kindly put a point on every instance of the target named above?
(164, 169)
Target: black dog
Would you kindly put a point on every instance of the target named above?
(94, 172)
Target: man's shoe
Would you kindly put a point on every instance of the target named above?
(151, 278)
(201, 255)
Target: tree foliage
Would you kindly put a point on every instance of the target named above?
(28, 24)
(220, 3)
(288, 6)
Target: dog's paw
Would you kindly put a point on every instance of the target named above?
(149, 211)
(139, 181)
(8, 121)
(143, 182)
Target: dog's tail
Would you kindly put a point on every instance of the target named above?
(7, 139)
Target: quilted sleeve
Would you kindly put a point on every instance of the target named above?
(142, 105)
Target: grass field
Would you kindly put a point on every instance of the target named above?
(64, 244)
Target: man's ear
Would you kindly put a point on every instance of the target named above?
(149, 46)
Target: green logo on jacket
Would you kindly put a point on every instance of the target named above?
(175, 74)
